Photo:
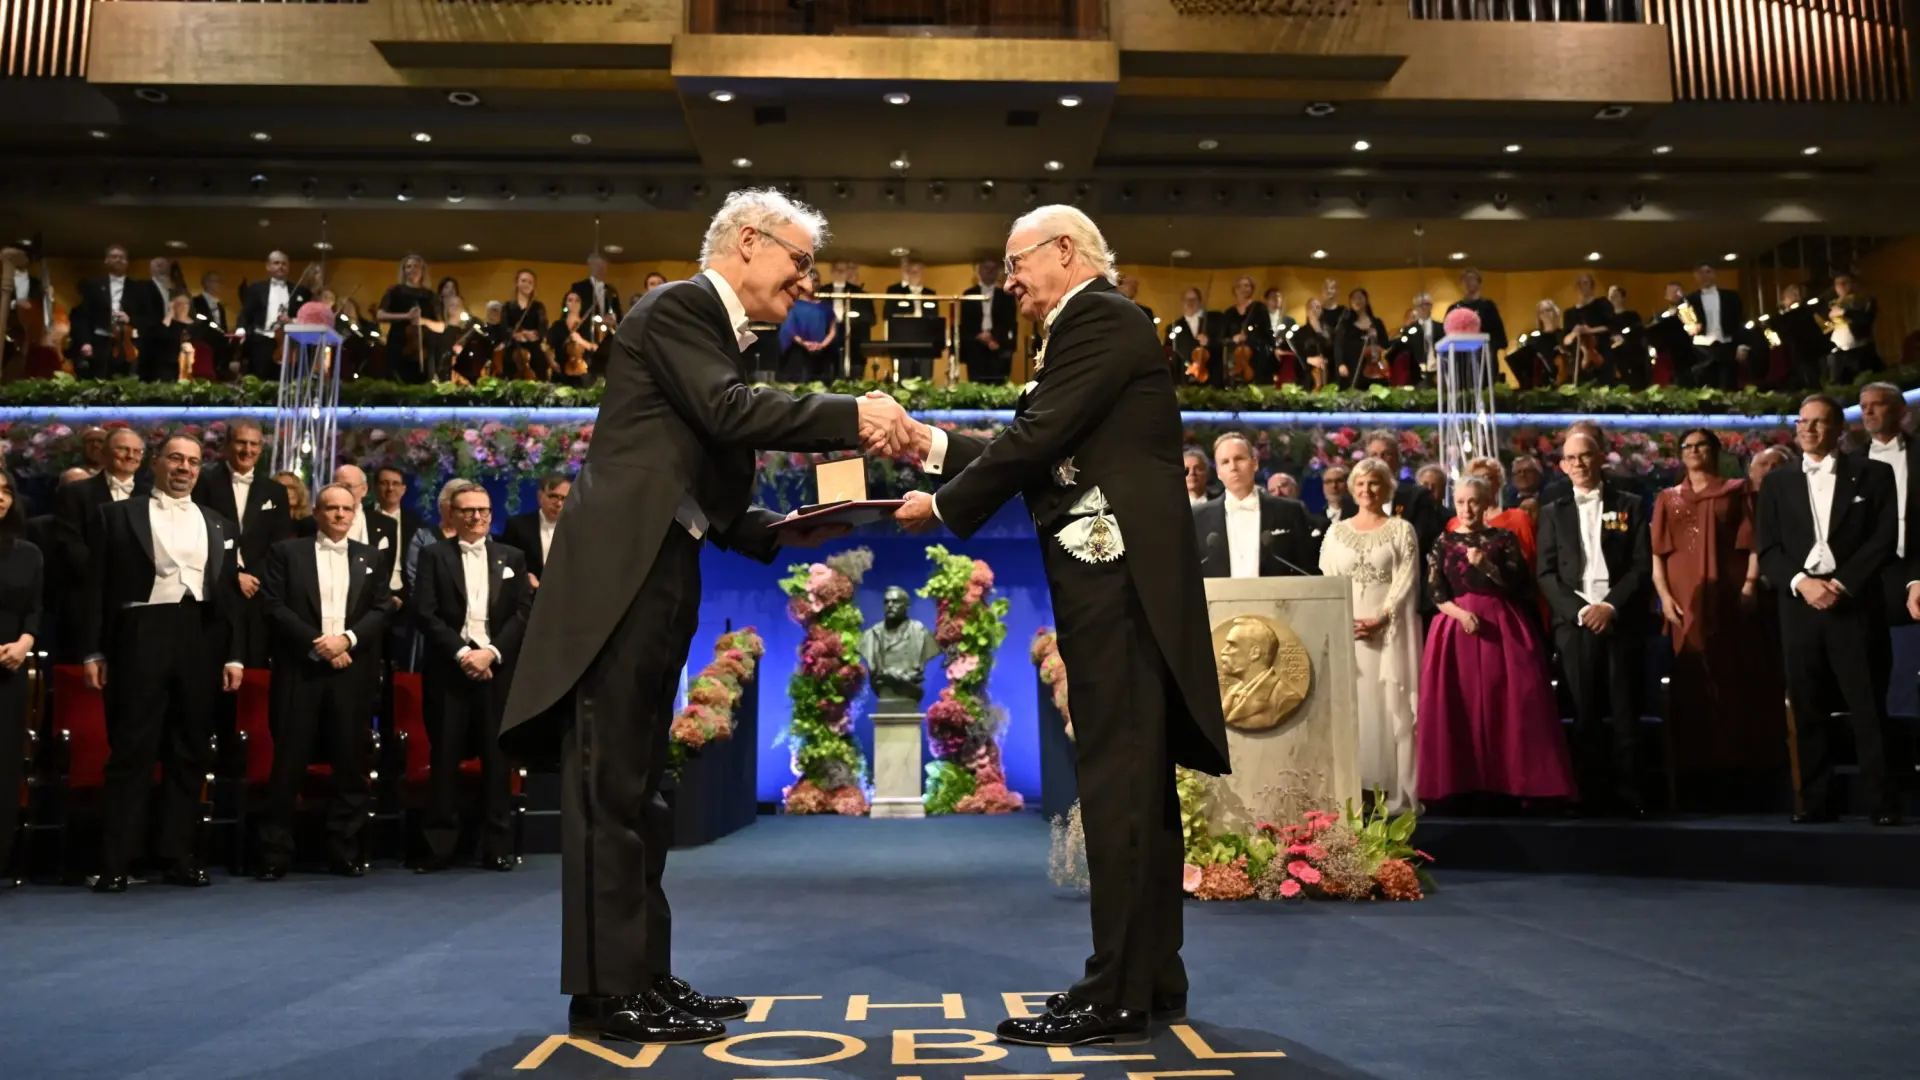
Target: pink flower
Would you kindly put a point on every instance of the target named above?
(1190, 878)
(1289, 888)
(962, 668)
(1307, 874)
(1315, 852)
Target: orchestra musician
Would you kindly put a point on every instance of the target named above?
(1849, 330)
(1622, 347)
(988, 327)
(1668, 340)
(913, 320)
(448, 288)
(1244, 325)
(177, 352)
(1413, 350)
(210, 312)
(600, 298)
(525, 317)
(1489, 312)
(28, 350)
(266, 306)
(1586, 325)
(1190, 329)
(457, 349)
(1718, 348)
(409, 311)
(855, 317)
(1796, 345)
(1130, 288)
(1358, 347)
(1311, 343)
(113, 312)
(1538, 357)
(575, 355)
(1330, 310)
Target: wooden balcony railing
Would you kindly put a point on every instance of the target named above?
(1069, 19)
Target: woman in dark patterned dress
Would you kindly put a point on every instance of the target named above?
(1487, 723)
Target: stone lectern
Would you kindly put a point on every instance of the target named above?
(1283, 647)
(896, 651)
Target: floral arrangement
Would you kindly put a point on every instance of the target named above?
(828, 767)
(1045, 652)
(714, 694)
(963, 727)
(1324, 855)
(918, 394)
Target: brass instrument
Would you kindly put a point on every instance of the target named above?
(1689, 319)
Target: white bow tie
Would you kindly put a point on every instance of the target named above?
(1818, 468)
(1890, 448)
(1586, 498)
(169, 504)
(114, 484)
(478, 547)
(325, 544)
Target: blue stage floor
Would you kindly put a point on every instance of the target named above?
(396, 977)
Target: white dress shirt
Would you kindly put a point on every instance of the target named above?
(474, 566)
(395, 583)
(599, 293)
(1196, 500)
(736, 311)
(987, 293)
(242, 487)
(1710, 314)
(547, 526)
(358, 530)
(1820, 480)
(117, 489)
(1594, 579)
(1193, 322)
(277, 300)
(1243, 534)
(179, 550)
(166, 291)
(1276, 323)
(116, 290)
(336, 577)
(1335, 511)
(1893, 453)
(22, 285)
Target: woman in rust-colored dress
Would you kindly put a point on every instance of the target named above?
(1729, 723)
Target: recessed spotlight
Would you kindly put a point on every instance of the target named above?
(1513, 148)
(1069, 101)
(1663, 148)
(900, 252)
(422, 137)
(1810, 151)
(1209, 144)
(1362, 144)
(1319, 253)
(456, 194)
(264, 223)
(1593, 256)
(405, 194)
(612, 249)
(1613, 112)
(1458, 256)
(899, 164)
(469, 248)
(1180, 253)
(1322, 108)
(1052, 166)
(466, 99)
(98, 134)
(177, 245)
(581, 138)
(1732, 256)
(896, 98)
(261, 136)
(151, 96)
(721, 96)
(742, 163)
(322, 245)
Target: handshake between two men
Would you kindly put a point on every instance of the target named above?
(885, 428)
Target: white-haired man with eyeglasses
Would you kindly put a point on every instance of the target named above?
(1095, 447)
(673, 466)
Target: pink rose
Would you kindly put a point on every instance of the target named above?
(1190, 878)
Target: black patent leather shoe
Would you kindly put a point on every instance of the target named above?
(638, 1018)
(681, 996)
(1166, 1008)
(110, 883)
(1887, 820)
(271, 873)
(348, 869)
(187, 877)
(1077, 1023)
(1815, 817)
(497, 863)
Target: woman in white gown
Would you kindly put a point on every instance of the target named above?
(1380, 555)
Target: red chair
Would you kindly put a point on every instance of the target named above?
(416, 753)
(253, 726)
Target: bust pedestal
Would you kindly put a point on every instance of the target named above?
(896, 762)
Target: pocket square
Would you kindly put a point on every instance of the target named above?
(506, 572)
(383, 544)
(1859, 498)
(228, 545)
(268, 505)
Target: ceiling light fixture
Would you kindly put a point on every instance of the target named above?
(1322, 108)
(469, 248)
(1069, 101)
(322, 245)
(721, 96)
(1209, 144)
(612, 249)
(900, 164)
(1593, 256)
(466, 99)
(896, 98)
(1810, 151)
(98, 134)
(151, 95)
(1663, 148)
(742, 163)
(1180, 253)
(1362, 145)
(1319, 253)
(422, 137)
(1053, 166)
(900, 252)
(1458, 256)
(177, 245)
(581, 138)
(1732, 256)
(1513, 148)
(261, 136)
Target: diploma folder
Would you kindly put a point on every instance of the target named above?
(850, 513)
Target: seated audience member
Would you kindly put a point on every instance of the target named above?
(1525, 492)
(532, 532)
(1247, 532)
(426, 538)
(1488, 723)
(1596, 572)
(1285, 485)
(21, 582)
(471, 599)
(1333, 485)
(326, 603)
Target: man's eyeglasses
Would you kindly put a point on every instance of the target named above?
(1700, 446)
(473, 511)
(802, 258)
(1013, 260)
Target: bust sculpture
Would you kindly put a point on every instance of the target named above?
(896, 650)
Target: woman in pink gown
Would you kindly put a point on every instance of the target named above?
(1487, 722)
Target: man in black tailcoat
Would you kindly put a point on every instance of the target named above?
(1824, 533)
(162, 594)
(672, 466)
(1596, 571)
(326, 603)
(265, 306)
(1247, 532)
(988, 327)
(237, 489)
(1095, 447)
(532, 532)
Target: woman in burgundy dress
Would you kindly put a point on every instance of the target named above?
(1487, 722)
(1729, 726)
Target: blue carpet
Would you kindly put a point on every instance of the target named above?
(407, 978)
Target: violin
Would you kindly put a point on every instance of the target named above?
(1197, 362)
(515, 350)
(1243, 363)
(577, 350)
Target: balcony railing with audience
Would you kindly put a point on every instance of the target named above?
(1069, 19)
